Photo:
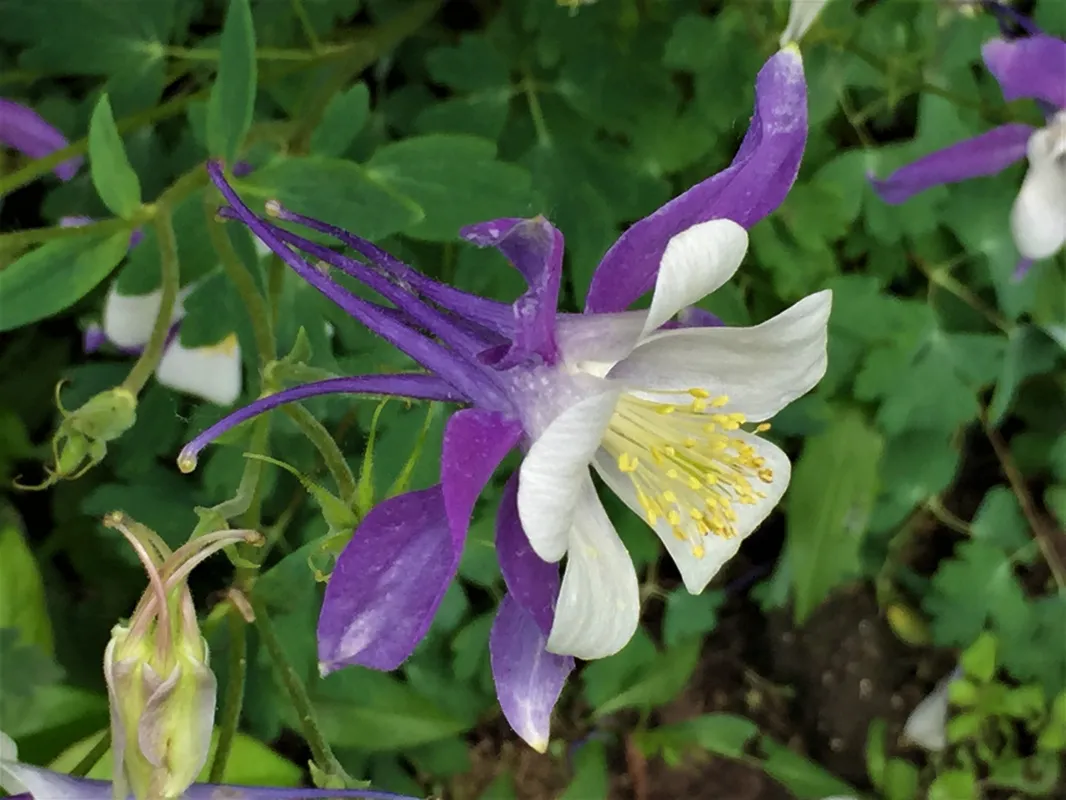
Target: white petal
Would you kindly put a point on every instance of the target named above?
(801, 15)
(553, 473)
(589, 340)
(695, 263)
(44, 784)
(697, 572)
(1038, 219)
(599, 601)
(761, 369)
(927, 724)
(9, 751)
(213, 373)
(128, 319)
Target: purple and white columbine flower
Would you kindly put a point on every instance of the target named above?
(657, 410)
(1034, 67)
(27, 782)
(23, 129)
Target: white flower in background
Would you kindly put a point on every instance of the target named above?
(660, 416)
(801, 15)
(213, 373)
(927, 724)
(1038, 218)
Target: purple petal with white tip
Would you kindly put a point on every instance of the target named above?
(982, 155)
(528, 678)
(532, 582)
(391, 578)
(23, 129)
(535, 248)
(751, 187)
(1031, 67)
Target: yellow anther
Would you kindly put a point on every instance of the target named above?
(695, 483)
(678, 533)
(698, 551)
(669, 451)
(695, 513)
(666, 409)
(701, 393)
(720, 401)
(690, 442)
(699, 405)
(762, 427)
(766, 475)
(673, 517)
(669, 496)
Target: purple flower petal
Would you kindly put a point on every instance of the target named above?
(425, 387)
(535, 248)
(982, 155)
(751, 187)
(392, 576)
(23, 129)
(1031, 67)
(533, 583)
(695, 317)
(475, 442)
(388, 583)
(528, 678)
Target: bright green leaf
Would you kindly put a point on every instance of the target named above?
(232, 101)
(114, 178)
(22, 600)
(662, 680)
(954, 784)
(345, 116)
(690, 615)
(590, 780)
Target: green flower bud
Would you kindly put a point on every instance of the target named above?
(159, 682)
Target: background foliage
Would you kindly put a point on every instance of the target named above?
(928, 502)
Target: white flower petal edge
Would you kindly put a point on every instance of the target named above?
(1038, 218)
(44, 784)
(599, 601)
(801, 15)
(213, 373)
(551, 478)
(927, 724)
(696, 262)
(128, 319)
(760, 369)
(698, 572)
(588, 341)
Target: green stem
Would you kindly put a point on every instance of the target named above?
(301, 701)
(541, 127)
(242, 280)
(234, 698)
(212, 518)
(261, 54)
(301, 15)
(153, 351)
(81, 769)
(327, 448)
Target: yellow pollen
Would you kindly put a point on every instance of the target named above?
(762, 427)
(686, 466)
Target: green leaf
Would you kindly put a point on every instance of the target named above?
(607, 677)
(232, 101)
(55, 276)
(454, 179)
(662, 680)
(27, 670)
(502, 788)
(690, 615)
(979, 659)
(335, 191)
(1029, 352)
(834, 485)
(373, 711)
(113, 177)
(1000, 521)
(590, 780)
(901, 780)
(875, 752)
(807, 780)
(723, 734)
(22, 600)
(472, 65)
(955, 784)
(345, 116)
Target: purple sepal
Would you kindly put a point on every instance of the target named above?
(528, 678)
(982, 155)
(388, 583)
(23, 129)
(1031, 67)
(475, 442)
(1022, 269)
(751, 187)
(392, 576)
(93, 339)
(531, 582)
(535, 248)
(695, 317)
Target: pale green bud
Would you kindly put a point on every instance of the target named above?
(159, 682)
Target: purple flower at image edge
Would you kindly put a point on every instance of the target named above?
(24, 130)
(1035, 68)
(593, 390)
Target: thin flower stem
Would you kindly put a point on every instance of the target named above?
(18, 239)
(103, 744)
(242, 280)
(233, 700)
(301, 701)
(214, 518)
(263, 53)
(153, 351)
(308, 29)
(316, 432)
(543, 134)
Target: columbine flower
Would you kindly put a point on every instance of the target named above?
(159, 682)
(662, 414)
(27, 782)
(212, 372)
(23, 129)
(1034, 67)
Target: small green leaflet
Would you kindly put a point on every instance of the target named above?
(113, 177)
(232, 102)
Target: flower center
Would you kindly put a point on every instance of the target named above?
(685, 462)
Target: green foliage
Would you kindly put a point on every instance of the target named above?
(232, 101)
(113, 176)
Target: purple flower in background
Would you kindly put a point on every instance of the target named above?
(656, 409)
(1034, 67)
(26, 782)
(23, 129)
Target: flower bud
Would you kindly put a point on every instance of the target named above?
(159, 682)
